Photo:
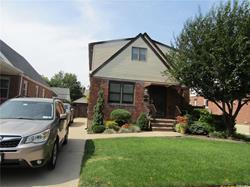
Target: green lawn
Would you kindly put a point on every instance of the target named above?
(164, 162)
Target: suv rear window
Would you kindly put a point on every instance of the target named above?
(26, 110)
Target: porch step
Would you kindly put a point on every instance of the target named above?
(159, 124)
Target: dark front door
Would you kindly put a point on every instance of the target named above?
(158, 95)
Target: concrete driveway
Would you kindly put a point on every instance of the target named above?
(67, 169)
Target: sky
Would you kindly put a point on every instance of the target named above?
(53, 35)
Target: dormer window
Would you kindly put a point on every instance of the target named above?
(139, 53)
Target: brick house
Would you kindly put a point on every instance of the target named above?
(242, 118)
(18, 77)
(130, 72)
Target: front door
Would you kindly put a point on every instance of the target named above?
(158, 96)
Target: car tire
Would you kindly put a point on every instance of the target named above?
(52, 161)
(65, 141)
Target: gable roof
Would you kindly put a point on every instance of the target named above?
(91, 46)
(146, 39)
(81, 100)
(62, 93)
(20, 62)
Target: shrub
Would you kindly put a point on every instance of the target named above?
(112, 125)
(125, 130)
(98, 113)
(135, 128)
(126, 126)
(205, 116)
(200, 128)
(121, 116)
(218, 134)
(181, 128)
(142, 121)
(109, 131)
(98, 128)
(241, 137)
(182, 119)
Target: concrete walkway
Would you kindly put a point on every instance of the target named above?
(65, 174)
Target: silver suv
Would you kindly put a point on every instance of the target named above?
(31, 132)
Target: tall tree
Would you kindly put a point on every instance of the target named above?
(213, 57)
(67, 80)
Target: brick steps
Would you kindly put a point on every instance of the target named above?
(158, 124)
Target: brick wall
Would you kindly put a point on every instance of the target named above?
(97, 83)
(243, 116)
(32, 90)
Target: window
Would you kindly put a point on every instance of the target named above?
(37, 91)
(25, 88)
(121, 92)
(139, 53)
(4, 87)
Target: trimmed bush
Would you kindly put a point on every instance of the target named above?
(97, 124)
(218, 134)
(98, 128)
(121, 116)
(200, 128)
(112, 125)
(109, 131)
(142, 121)
(125, 130)
(135, 128)
(181, 128)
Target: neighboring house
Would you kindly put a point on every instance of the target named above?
(80, 107)
(18, 77)
(130, 72)
(242, 118)
(62, 93)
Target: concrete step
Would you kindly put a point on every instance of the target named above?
(161, 124)
(162, 128)
(162, 120)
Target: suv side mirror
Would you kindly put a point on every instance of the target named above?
(63, 116)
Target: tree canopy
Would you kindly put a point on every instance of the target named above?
(67, 80)
(213, 57)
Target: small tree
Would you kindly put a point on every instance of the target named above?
(213, 57)
(98, 110)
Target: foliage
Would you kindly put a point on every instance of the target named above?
(218, 123)
(134, 128)
(125, 130)
(164, 161)
(200, 128)
(181, 128)
(98, 111)
(67, 80)
(182, 119)
(121, 116)
(98, 128)
(142, 121)
(126, 126)
(112, 125)
(241, 137)
(212, 57)
(109, 131)
(218, 134)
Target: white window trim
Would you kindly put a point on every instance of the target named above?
(25, 87)
(43, 95)
(8, 89)
(37, 91)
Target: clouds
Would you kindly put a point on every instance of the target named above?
(51, 44)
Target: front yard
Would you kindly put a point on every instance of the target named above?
(164, 162)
